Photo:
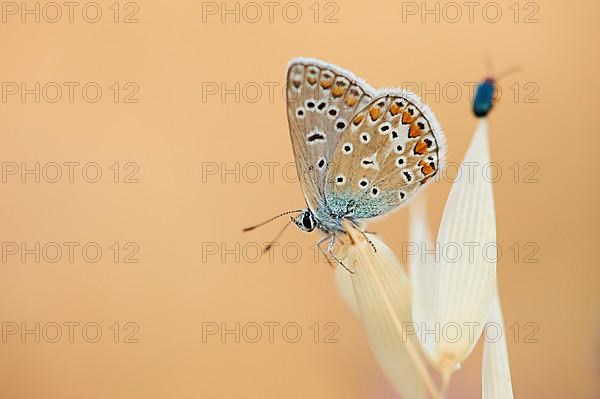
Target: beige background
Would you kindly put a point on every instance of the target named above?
(172, 134)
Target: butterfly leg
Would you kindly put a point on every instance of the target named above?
(329, 252)
(318, 244)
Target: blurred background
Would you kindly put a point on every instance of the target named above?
(138, 138)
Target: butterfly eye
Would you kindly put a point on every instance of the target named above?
(398, 149)
(300, 113)
(374, 192)
(340, 179)
(407, 176)
(363, 183)
(401, 195)
(347, 148)
(308, 222)
(321, 163)
(310, 104)
(365, 137)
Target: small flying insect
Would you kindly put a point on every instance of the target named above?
(486, 93)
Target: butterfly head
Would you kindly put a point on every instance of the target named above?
(306, 221)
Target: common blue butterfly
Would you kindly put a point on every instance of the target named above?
(359, 152)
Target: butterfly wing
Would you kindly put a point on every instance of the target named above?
(390, 149)
(321, 100)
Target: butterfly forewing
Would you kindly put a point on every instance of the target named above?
(321, 100)
(389, 150)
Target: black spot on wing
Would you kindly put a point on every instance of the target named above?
(315, 136)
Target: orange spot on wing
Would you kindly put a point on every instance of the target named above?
(326, 84)
(351, 101)
(420, 148)
(375, 113)
(414, 131)
(337, 91)
(358, 119)
(311, 79)
(394, 109)
(407, 118)
(425, 167)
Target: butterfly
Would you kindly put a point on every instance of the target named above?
(360, 153)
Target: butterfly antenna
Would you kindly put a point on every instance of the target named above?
(270, 220)
(274, 240)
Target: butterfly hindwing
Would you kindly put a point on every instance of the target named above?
(390, 149)
(321, 100)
